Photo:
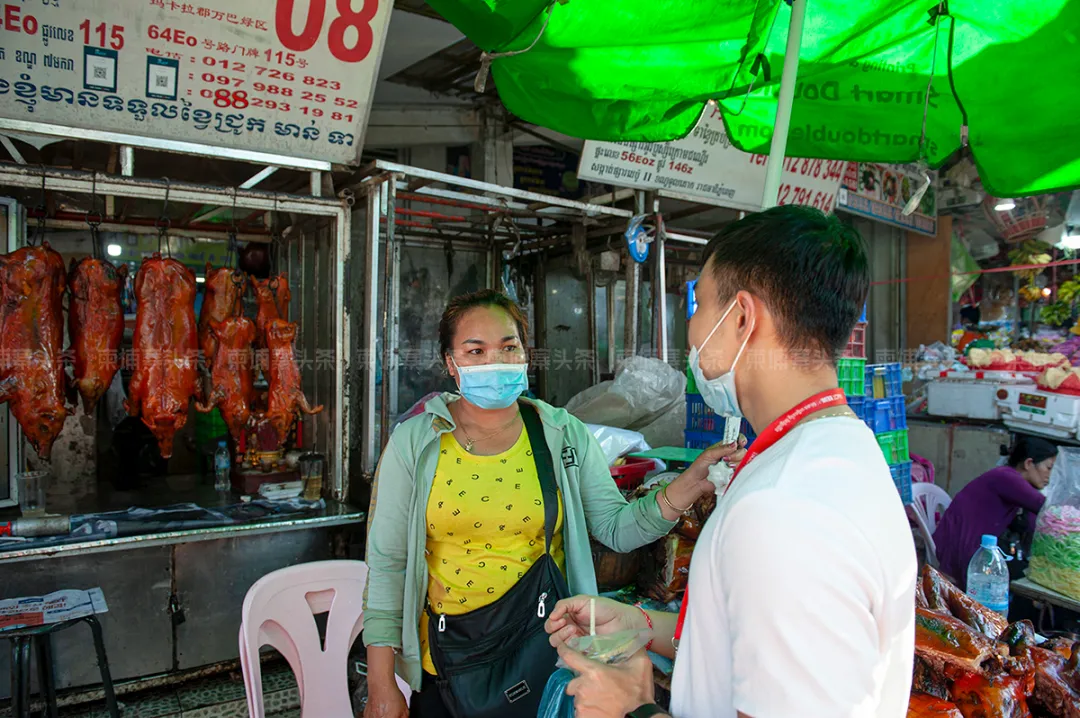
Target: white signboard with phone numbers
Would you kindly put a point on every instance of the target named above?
(285, 77)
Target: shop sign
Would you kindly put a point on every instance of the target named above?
(547, 170)
(706, 167)
(879, 192)
(291, 78)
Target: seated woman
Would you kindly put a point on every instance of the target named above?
(467, 497)
(990, 503)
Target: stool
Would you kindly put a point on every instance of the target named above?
(41, 637)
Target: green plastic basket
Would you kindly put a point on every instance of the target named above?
(894, 445)
(852, 375)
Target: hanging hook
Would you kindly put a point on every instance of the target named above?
(163, 222)
(232, 251)
(39, 213)
(93, 218)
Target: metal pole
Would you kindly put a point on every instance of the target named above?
(340, 442)
(388, 349)
(775, 167)
(371, 445)
(316, 183)
(660, 295)
(609, 292)
(633, 290)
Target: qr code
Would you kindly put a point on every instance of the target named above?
(101, 73)
(161, 81)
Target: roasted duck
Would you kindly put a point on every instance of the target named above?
(1056, 683)
(32, 281)
(992, 697)
(95, 325)
(222, 294)
(232, 374)
(950, 646)
(285, 395)
(272, 297)
(166, 348)
(943, 596)
(923, 706)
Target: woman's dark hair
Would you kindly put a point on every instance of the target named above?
(1031, 447)
(458, 306)
(809, 269)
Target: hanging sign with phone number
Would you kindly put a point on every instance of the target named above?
(284, 77)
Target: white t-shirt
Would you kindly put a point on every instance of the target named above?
(802, 587)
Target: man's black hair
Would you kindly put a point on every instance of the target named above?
(809, 269)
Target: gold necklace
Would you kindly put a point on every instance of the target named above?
(470, 442)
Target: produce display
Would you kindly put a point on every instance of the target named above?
(232, 373)
(32, 282)
(166, 348)
(222, 293)
(95, 325)
(1055, 550)
(285, 395)
(970, 662)
(1009, 360)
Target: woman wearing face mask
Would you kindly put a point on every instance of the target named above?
(990, 503)
(480, 520)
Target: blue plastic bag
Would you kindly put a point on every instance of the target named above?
(555, 703)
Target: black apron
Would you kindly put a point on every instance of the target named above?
(496, 660)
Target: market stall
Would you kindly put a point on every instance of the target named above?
(125, 486)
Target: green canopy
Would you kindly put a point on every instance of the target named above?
(642, 71)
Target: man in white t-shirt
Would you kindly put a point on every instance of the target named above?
(801, 593)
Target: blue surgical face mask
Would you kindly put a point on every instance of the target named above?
(719, 393)
(492, 386)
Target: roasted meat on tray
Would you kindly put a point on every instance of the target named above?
(286, 398)
(232, 374)
(166, 348)
(33, 281)
(964, 661)
(95, 325)
(222, 295)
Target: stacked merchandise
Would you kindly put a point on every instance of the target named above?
(875, 394)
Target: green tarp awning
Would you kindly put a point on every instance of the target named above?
(633, 70)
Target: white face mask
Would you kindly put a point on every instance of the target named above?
(719, 393)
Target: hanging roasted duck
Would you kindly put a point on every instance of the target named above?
(232, 374)
(272, 297)
(95, 325)
(32, 282)
(286, 398)
(222, 295)
(166, 348)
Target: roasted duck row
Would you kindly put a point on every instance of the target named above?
(227, 338)
(970, 662)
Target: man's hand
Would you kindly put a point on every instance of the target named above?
(694, 483)
(602, 691)
(570, 618)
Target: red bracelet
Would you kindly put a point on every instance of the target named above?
(648, 620)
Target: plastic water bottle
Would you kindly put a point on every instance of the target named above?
(222, 464)
(988, 577)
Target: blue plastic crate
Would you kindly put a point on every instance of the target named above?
(901, 476)
(892, 381)
(883, 415)
(691, 299)
(702, 439)
(857, 405)
(700, 418)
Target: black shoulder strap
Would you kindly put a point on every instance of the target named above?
(545, 469)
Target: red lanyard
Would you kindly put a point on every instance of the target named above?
(765, 440)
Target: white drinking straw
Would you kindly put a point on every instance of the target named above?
(592, 616)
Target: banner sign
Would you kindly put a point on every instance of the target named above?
(879, 192)
(705, 167)
(285, 77)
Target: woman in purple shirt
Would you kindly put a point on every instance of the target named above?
(990, 503)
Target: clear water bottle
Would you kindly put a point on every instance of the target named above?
(222, 464)
(988, 577)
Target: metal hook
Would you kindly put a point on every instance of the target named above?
(163, 222)
(40, 213)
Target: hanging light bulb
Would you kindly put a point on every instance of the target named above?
(113, 250)
(1004, 205)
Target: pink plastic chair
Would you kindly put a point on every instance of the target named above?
(279, 611)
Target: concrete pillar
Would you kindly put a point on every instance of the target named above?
(493, 156)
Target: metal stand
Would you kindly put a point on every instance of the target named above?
(41, 638)
(774, 169)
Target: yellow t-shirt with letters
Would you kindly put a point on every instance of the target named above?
(485, 529)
